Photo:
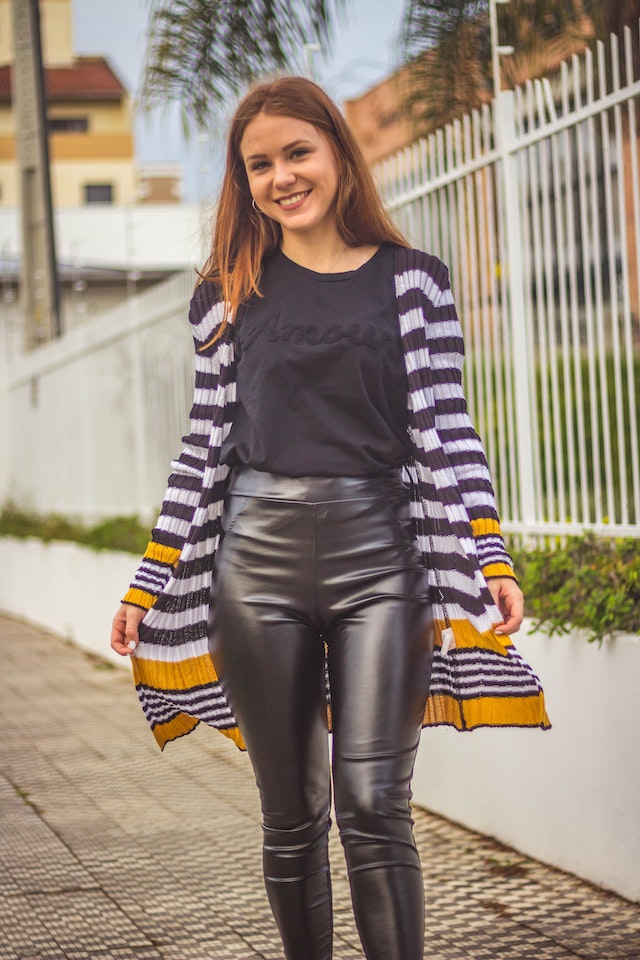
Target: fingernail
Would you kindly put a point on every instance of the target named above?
(132, 644)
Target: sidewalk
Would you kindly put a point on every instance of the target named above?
(109, 849)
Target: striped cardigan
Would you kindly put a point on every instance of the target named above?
(480, 680)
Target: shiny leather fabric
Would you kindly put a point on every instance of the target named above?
(309, 565)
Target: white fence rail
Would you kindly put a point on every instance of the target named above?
(92, 420)
(535, 205)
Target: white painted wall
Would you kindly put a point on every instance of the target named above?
(568, 796)
(130, 236)
(66, 588)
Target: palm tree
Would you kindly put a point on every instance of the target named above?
(202, 53)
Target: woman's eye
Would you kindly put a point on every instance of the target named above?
(299, 153)
(258, 165)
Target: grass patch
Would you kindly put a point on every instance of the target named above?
(116, 533)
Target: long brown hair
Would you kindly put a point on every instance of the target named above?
(242, 236)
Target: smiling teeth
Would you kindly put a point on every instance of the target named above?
(289, 201)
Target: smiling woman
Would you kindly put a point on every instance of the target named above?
(328, 554)
(296, 180)
(293, 178)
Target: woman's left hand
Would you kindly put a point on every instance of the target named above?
(509, 600)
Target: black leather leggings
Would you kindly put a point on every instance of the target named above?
(308, 565)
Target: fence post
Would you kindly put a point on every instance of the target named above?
(514, 312)
(139, 412)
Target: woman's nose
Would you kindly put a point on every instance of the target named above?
(283, 176)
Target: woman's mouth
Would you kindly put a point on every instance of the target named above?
(294, 200)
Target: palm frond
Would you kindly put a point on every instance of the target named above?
(203, 53)
(446, 45)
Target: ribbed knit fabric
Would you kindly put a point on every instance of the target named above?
(481, 680)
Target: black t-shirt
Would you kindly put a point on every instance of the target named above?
(321, 381)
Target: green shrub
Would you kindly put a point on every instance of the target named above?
(15, 523)
(588, 582)
(116, 533)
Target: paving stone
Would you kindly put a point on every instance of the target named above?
(110, 850)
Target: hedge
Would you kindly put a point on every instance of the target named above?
(115, 533)
(588, 582)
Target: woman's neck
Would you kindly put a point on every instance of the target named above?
(320, 253)
(327, 255)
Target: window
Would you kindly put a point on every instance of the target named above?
(68, 124)
(98, 193)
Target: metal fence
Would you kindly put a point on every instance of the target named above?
(534, 203)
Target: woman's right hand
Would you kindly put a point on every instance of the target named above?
(124, 630)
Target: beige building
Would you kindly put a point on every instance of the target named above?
(120, 227)
(379, 120)
(91, 140)
(89, 117)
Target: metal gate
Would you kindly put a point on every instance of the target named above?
(534, 204)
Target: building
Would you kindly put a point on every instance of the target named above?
(379, 119)
(89, 117)
(120, 226)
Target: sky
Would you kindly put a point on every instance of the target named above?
(362, 53)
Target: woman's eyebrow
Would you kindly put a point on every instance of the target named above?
(287, 146)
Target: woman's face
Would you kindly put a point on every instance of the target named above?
(292, 173)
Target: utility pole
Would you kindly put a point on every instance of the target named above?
(38, 280)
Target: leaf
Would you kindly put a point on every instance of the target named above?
(203, 53)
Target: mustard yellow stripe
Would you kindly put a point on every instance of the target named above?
(467, 636)
(234, 734)
(498, 570)
(486, 712)
(506, 711)
(181, 725)
(485, 525)
(194, 672)
(162, 554)
(140, 597)
(440, 709)
(178, 727)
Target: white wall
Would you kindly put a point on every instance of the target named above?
(131, 236)
(568, 796)
(66, 588)
(5, 444)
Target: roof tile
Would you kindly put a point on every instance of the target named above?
(89, 78)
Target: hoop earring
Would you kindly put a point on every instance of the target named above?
(255, 205)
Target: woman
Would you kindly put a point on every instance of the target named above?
(330, 508)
